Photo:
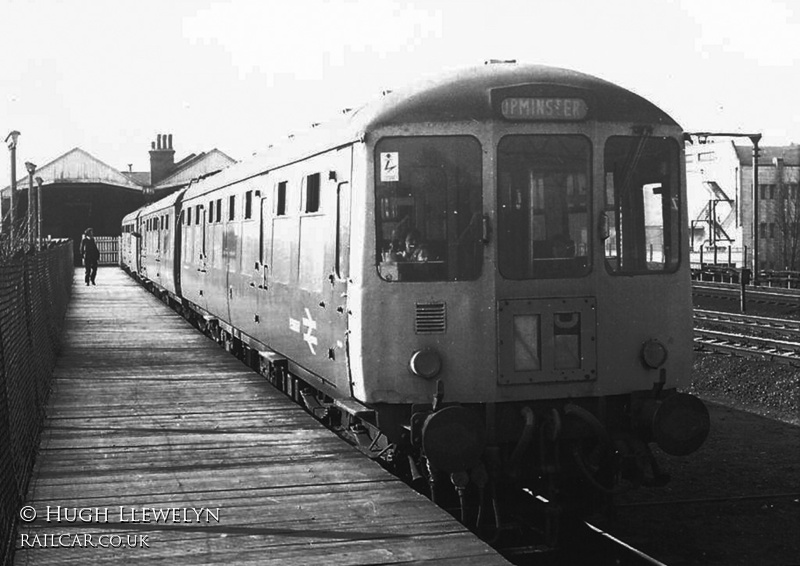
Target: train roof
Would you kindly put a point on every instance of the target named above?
(131, 216)
(166, 202)
(466, 95)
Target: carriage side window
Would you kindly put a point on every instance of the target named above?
(232, 207)
(429, 208)
(210, 211)
(312, 193)
(280, 199)
(248, 205)
(197, 214)
(641, 221)
(219, 210)
(543, 202)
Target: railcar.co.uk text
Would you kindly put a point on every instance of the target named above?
(118, 516)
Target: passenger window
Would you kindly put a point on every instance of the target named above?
(312, 194)
(248, 205)
(210, 212)
(232, 207)
(219, 210)
(280, 199)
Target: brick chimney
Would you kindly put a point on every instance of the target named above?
(162, 158)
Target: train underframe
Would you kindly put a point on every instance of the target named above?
(487, 464)
(476, 460)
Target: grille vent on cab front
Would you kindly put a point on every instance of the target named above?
(431, 318)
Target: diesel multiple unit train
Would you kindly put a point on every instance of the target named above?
(482, 279)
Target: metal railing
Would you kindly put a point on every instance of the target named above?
(34, 291)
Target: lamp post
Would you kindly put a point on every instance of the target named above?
(12, 146)
(755, 138)
(31, 170)
(39, 212)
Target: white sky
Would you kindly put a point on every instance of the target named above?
(108, 76)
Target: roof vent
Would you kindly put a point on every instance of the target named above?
(499, 61)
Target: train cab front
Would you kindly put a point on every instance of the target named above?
(528, 272)
(594, 314)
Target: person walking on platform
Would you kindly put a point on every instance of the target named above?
(90, 255)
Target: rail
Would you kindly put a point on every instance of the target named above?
(766, 295)
(780, 351)
(577, 542)
(747, 323)
(34, 292)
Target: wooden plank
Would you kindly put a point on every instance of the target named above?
(147, 413)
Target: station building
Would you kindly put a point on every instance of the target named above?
(80, 191)
(720, 183)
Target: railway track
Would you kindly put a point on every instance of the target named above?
(773, 339)
(773, 296)
(582, 542)
(747, 323)
(791, 496)
(781, 351)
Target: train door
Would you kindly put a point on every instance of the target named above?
(341, 259)
(137, 245)
(231, 253)
(177, 242)
(264, 254)
(201, 216)
(144, 247)
(339, 290)
(202, 253)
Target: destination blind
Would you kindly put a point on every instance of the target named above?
(544, 108)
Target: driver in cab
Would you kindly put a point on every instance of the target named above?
(415, 250)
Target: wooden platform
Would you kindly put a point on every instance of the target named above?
(148, 414)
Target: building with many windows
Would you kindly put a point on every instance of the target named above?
(721, 217)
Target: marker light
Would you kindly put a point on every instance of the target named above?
(425, 363)
(654, 354)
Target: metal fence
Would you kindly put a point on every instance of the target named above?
(34, 292)
(722, 256)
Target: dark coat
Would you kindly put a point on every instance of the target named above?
(89, 250)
